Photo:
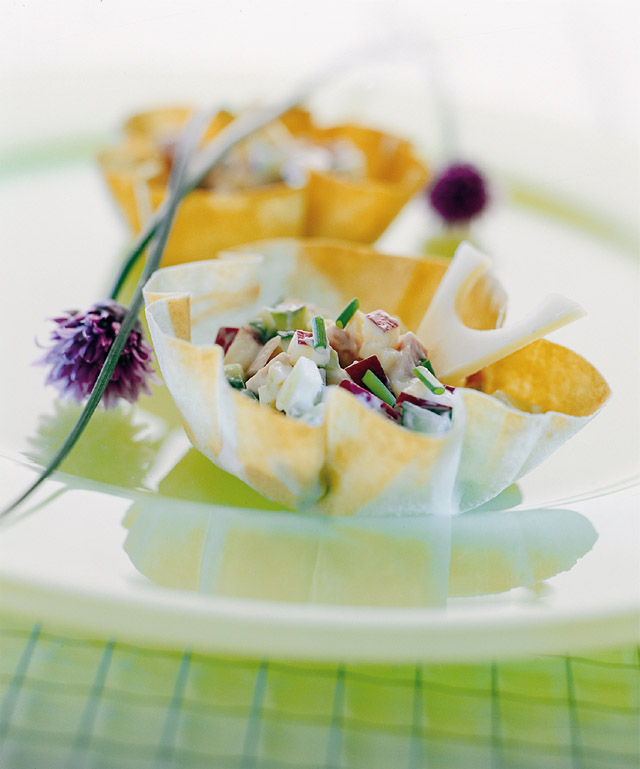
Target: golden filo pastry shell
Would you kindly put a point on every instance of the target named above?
(208, 221)
(357, 462)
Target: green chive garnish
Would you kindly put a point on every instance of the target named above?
(428, 379)
(427, 364)
(319, 332)
(235, 375)
(155, 233)
(259, 327)
(348, 313)
(158, 240)
(373, 383)
(205, 160)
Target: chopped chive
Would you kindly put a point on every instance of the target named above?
(263, 334)
(348, 313)
(427, 364)
(319, 332)
(428, 379)
(378, 388)
(286, 334)
(235, 375)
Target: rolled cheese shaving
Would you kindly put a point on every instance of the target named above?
(455, 350)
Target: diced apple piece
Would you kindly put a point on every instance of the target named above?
(302, 389)
(358, 369)
(272, 348)
(370, 400)
(301, 346)
(225, 336)
(243, 349)
(379, 332)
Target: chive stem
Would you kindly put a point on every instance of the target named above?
(348, 313)
(188, 142)
(319, 332)
(378, 388)
(428, 380)
(427, 364)
(240, 128)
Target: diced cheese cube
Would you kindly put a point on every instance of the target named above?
(302, 390)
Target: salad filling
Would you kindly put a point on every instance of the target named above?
(288, 356)
(274, 155)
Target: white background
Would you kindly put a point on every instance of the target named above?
(575, 63)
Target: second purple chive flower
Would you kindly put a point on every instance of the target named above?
(80, 343)
(459, 195)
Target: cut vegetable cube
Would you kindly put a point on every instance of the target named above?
(225, 336)
(301, 346)
(302, 389)
(288, 316)
(276, 376)
(235, 375)
(379, 331)
(272, 348)
(243, 349)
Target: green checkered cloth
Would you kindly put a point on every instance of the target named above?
(101, 704)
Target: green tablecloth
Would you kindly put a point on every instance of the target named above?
(78, 702)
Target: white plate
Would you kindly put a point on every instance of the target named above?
(62, 557)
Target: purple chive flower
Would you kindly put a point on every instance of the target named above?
(80, 344)
(459, 193)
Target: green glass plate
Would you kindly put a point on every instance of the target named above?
(203, 560)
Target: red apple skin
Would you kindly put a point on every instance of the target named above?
(358, 369)
(421, 402)
(382, 320)
(370, 400)
(225, 336)
(304, 337)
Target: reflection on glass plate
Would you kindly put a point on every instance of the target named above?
(351, 561)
